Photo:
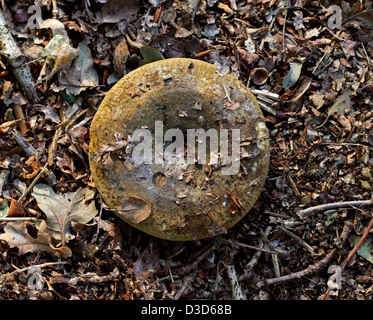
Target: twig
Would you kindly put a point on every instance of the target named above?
(89, 14)
(8, 219)
(313, 268)
(186, 282)
(226, 93)
(266, 93)
(194, 265)
(15, 58)
(277, 214)
(369, 60)
(276, 266)
(298, 239)
(132, 43)
(55, 9)
(84, 278)
(254, 260)
(47, 264)
(36, 179)
(3, 178)
(284, 27)
(237, 293)
(23, 143)
(328, 206)
(18, 113)
(306, 272)
(335, 36)
(266, 100)
(254, 248)
(30, 151)
(352, 252)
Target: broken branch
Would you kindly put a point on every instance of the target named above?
(313, 268)
(328, 206)
(17, 61)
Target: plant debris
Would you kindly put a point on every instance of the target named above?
(315, 88)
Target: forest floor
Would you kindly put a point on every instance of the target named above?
(317, 65)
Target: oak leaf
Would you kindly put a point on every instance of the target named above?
(66, 213)
(16, 235)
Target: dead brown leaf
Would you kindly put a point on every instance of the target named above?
(16, 235)
(15, 209)
(135, 210)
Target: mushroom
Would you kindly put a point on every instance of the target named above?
(180, 200)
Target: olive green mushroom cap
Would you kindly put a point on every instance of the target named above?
(178, 201)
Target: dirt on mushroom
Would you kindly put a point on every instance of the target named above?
(169, 91)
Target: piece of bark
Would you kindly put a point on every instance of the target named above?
(16, 60)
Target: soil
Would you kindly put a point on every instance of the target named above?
(319, 116)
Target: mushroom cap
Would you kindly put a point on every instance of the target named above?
(179, 201)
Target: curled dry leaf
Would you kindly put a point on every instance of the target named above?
(57, 27)
(120, 56)
(339, 107)
(295, 70)
(16, 235)
(247, 59)
(16, 209)
(65, 213)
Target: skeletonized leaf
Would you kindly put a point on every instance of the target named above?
(67, 212)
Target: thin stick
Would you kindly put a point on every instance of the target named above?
(47, 264)
(353, 251)
(254, 260)
(84, 278)
(298, 239)
(40, 174)
(313, 268)
(15, 59)
(8, 219)
(369, 60)
(23, 143)
(328, 206)
(186, 282)
(306, 272)
(18, 113)
(276, 266)
(276, 214)
(255, 248)
(30, 151)
(284, 27)
(237, 293)
(3, 178)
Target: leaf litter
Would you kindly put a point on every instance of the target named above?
(317, 101)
